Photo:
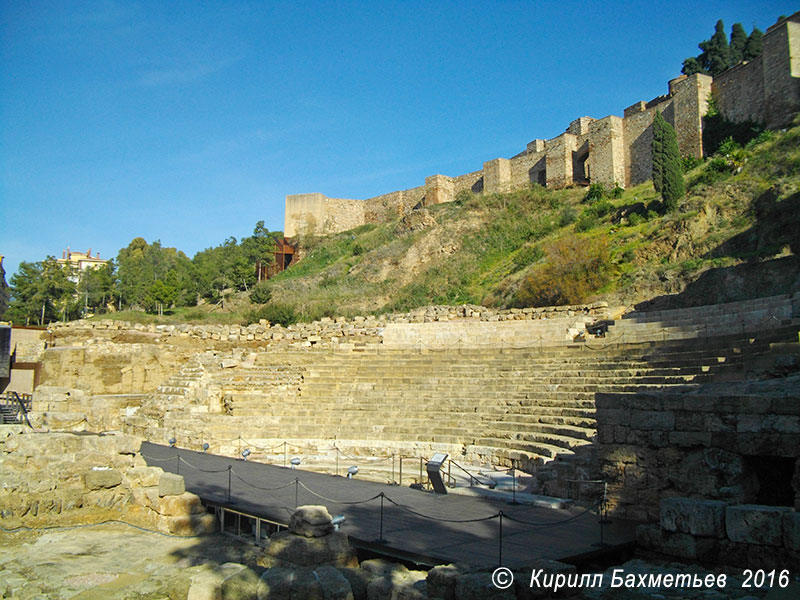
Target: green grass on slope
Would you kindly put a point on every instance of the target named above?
(499, 249)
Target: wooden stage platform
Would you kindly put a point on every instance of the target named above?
(418, 526)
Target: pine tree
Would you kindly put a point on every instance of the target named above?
(691, 66)
(658, 151)
(738, 42)
(754, 44)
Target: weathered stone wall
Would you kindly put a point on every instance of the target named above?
(74, 409)
(707, 442)
(82, 338)
(393, 205)
(766, 89)
(510, 334)
(438, 190)
(606, 151)
(497, 176)
(28, 343)
(690, 101)
(67, 479)
(316, 214)
(747, 535)
(559, 160)
(111, 368)
(739, 92)
(529, 168)
(472, 182)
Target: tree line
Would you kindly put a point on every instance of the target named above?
(144, 276)
(719, 53)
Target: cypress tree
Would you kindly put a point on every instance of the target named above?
(738, 42)
(658, 151)
(754, 44)
(717, 51)
(673, 187)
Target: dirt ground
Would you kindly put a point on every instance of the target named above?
(109, 561)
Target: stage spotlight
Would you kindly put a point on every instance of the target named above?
(351, 471)
(172, 442)
(245, 453)
(205, 446)
(337, 520)
(295, 462)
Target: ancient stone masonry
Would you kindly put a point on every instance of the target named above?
(81, 342)
(65, 479)
(736, 442)
(608, 150)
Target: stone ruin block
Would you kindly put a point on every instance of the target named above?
(791, 530)
(170, 484)
(694, 516)
(755, 524)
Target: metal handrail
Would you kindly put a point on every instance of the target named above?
(10, 397)
(470, 475)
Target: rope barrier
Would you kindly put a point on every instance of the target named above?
(554, 523)
(159, 459)
(188, 464)
(351, 502)
(419, 514)
(258, 487)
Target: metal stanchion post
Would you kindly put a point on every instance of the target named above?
(603, 516)
(178, 460)
(337, 460)
(513, 485)
(380, 539)
(400, 483)
(229, 483)
(393, 479)
(296, 490)
(420, 470)
(500, 545)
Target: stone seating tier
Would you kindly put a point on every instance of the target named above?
(752, 314)
(528, 405)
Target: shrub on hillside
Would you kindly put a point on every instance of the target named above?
(567, 216)
(261, 293)
(527, 256)
(586, 221)
(280, 314)
(575, 269)
(596, 192)
(689, 162)
(463, 197)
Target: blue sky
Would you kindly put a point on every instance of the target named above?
(190, 121)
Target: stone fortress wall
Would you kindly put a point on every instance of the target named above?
(608, 150)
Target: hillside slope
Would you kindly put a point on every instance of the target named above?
(735, 235)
